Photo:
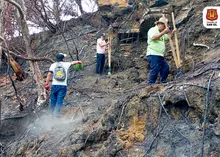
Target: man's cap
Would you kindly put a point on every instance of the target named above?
(60, 56)
(103, 34)
(162, 20)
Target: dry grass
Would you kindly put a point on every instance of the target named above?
(135, 132)
(211, 55)
(4, 80)
(160, 153)
(121, 3)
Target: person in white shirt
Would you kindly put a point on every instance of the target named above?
(101, 51)
(58, 72)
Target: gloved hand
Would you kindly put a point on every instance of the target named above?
(46, 86)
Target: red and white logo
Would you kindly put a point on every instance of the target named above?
(212, 14)
(211, 17)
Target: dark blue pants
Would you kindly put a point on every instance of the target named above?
(57, 95)
(158, 64)
(100, 62)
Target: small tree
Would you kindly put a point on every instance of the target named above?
(33, 64)
(47, 13)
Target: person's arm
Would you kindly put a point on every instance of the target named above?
(76, 62)
(166, 36)
(101, 44)
(49, 76)
(158, 36)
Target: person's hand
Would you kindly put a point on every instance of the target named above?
(46, 86)
(174, 30)
(166, 30)
(79, 62)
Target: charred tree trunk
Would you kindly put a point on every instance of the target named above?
(79, 3)
(2, 3)
(0, 115)
(33, 65)
(57, 11)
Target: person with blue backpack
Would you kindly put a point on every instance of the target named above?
(58, 72)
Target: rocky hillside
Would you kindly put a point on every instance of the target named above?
(121, 115)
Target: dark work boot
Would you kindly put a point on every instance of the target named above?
(159, 3)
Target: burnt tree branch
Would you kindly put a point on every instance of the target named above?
(18, 7)
(30, 58)
(21, 107)
(206, 113)
(173, 126)
(44, 16)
